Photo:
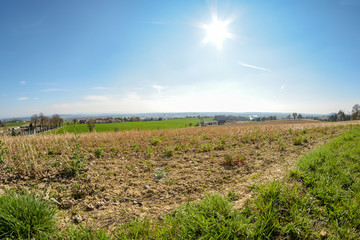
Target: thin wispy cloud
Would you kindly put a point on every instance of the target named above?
(283, 87)
(47, 83)
(54, 90)
(36, 98)
(255, 67)
(100, 88)
(97, 98)
(22, 82)
(23, 98)
(158, 88)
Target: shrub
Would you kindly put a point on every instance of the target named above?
(300, 140)
(25, 216)
(99, 152)
(3, 151)
(155, 141)
(169, 151)
(228, 159)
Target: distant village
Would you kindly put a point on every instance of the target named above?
(39, 123)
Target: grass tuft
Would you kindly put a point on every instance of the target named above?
(25, 216)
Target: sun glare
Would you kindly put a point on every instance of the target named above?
(216, 32)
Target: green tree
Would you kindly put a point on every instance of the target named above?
(294, 115)
(91, 125)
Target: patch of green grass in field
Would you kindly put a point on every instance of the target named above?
(16, 124)
(148, 125)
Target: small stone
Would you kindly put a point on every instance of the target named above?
(67, 203)
(78, 218)
(100, 205)
(323, 234)
(147, 187)
(89, 207)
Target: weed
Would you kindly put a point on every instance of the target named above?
(149, 152)
(73, 167)
(155, 141)
(228, 159)
(205, 147)
(300, 140)
(3, 151)
(232, 196)
(135, 147)
(169, 151)
(159, 174)
(281, 144)
(81, 190)
(99, 152)
(220, 144)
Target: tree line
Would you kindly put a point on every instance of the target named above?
(342, 116)
(44, 122)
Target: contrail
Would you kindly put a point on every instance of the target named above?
(252, 66)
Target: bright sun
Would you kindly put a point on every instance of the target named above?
(216, 32)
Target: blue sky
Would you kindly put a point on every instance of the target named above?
(150, 56)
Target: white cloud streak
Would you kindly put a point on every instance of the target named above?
(54, 90)
(22, 82)
(158, 88)
(100, 88)
(23, 98)
(255, 67)
(97, 98)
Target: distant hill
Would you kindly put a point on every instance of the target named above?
(279, 115)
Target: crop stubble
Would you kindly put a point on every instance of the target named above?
(107, 178)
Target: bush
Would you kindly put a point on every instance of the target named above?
(25, 216)
(169, 151)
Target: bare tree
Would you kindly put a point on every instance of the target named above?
(35, 120)
(341, 116)
(56, 121)
(355, 112)
(43, 120)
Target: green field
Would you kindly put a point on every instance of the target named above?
(149, 125)
(16, 124)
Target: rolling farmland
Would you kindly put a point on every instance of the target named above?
(148, 125)
(105, 179)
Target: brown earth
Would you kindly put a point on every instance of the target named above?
(131, 174)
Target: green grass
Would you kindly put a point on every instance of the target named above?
(25, 216)
(148, 125)
(16, 124)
